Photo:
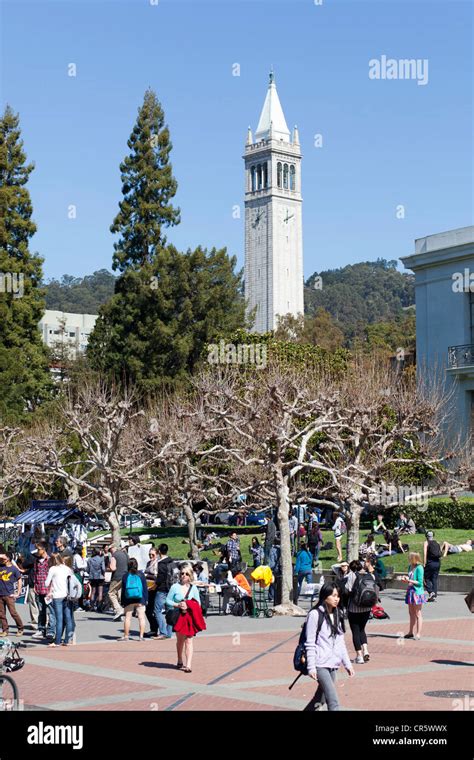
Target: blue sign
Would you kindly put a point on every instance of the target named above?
(50, 504)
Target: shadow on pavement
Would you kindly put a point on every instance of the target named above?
(160, 665)
(454, 662)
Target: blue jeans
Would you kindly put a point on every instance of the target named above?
(165, 629)
(62, 614)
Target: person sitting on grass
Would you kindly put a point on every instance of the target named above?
(392, 545)
(448, 548)
(378, 525)
(368, 547)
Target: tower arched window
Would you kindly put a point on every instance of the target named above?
(279, 174)
(265, 174)
(285, 176)
(252, 175)
(292, 178)
(259, 176)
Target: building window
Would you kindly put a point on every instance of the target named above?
(259, 176)
(285, 177)
(279, 174)
(292, 178)
(252, 175)
(265, 174)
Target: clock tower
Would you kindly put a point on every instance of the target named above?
(273, 222)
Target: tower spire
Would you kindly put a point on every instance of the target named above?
(272, 112)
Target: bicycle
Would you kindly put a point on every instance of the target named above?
(10, 661)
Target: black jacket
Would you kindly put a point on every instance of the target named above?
(162, 583)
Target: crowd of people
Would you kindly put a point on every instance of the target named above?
(171, 597)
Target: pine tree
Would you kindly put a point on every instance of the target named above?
(154, 330)
(24, 376)
(148, 187)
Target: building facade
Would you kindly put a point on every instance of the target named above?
(67, 333)
(273, 218)
(444, 287)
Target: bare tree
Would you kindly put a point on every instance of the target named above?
(98, 452)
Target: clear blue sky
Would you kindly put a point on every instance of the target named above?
(384, 142)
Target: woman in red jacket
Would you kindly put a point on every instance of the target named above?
(185, 597)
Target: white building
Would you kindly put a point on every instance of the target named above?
(273, 217)
(65, 330)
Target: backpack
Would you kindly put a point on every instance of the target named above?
(171, 572)
(238, 608)
(74, 589)
(434, 549)
(133, 588)
(379, 613)
(299, 657)
(364, 592)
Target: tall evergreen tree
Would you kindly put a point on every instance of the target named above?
(148, 187)
(155, 328)
(24, 375)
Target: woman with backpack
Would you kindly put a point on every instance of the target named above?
(415, 596)
(363, 594)
(134, 596)
(325, 647)
(303, 568)
(315, 539)
(432, 562)
(184, 614)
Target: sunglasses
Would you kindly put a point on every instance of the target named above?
(185, 574)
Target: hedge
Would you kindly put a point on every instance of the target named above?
(444, 513)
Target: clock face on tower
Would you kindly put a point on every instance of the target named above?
(258, 217)
(286, 217)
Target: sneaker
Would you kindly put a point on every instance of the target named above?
(38, 635)
(19, 633)
(366, 656)
(359, 660)
(123, 638)
(118, 616)
(408, 636)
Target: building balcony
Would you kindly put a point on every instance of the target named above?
(461, 359)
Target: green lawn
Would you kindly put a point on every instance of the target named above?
(453, 563)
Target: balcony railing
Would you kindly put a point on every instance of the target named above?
(461, 356)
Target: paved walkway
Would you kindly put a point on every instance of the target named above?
(243, 664)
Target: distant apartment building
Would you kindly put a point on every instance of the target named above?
(65, 333)
(444, 288)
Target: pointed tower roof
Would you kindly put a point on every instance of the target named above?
(272, 116)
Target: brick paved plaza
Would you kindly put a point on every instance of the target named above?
(244, 664)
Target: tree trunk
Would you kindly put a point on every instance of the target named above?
(191, 523)
(285, 544)
(114, 522)
(353, 532)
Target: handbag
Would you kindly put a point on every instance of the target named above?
(172, 615)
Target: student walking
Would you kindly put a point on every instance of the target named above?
(325, 648)
(184, 611)
(96, 571)
(134, 596)
(9, 576)
(151, 572)
(118, 565)
(363, 594)
(432, 562)
(303, 568)
(338, 528)
(163, 585)
(60, 612)
(415, 596)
